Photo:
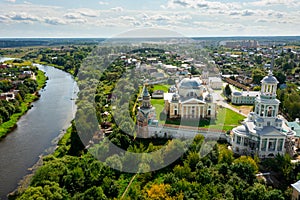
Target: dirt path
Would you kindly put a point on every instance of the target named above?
(128, 186)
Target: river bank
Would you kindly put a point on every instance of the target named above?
(37, 131)
(61, 142)
(10, 125)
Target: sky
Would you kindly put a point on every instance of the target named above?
(111, 18)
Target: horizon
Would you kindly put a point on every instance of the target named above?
(107, 19)
(221, 36)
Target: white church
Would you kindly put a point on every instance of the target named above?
(263, 132)
(190, 99)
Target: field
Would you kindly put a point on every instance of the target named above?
(226, 120)
(161, 87)
(159, 107)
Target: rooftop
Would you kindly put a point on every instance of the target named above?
(296, 186)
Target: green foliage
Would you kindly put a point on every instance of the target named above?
(47, 190)
(227, 90)
(257, 75)
(290, 101)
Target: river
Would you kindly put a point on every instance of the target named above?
(38, 129)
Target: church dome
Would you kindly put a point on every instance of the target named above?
(269, 79)
(241, 129)
(175, 97)
(209, 97)
(172, 89)
(190, 83)
(237, 93)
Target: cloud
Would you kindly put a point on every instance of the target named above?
(248, 13)
(22, 17)
(118, 9)
(103, 3)
(159, 17)
(73, 16)
(262, 21)
(27, 2)
(182, 3)
(87, 12)
(288, 3)
(54, 21)
(127, 18)
(11, 1)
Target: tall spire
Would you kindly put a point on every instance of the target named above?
(145, 91)
(272, 62)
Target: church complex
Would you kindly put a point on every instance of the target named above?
(263, 132)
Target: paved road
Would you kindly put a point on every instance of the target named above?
(222, 102)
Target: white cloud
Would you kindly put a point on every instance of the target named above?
(54, 21)
(71, 15)
(22, 17)
(103, 3)
(288, 3)
(127, 18)
(11, 1)
(118, 9)
(88, 12)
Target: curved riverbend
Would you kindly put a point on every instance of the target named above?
(37, 130)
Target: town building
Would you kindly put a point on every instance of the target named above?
(215, 83)
(295, 126)
(146, 115)
(8, 96)
(263, 132)
(244, 97)
(189, 99)
(158, 94)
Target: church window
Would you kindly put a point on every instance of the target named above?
(238, 139)
(264, 145)
(246, 141)
(270, 111)
(271, 145)
(280, 145)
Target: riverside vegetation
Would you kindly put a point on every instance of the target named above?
(22, 86)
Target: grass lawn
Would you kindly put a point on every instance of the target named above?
(159, 105)
(165, 88)
(226, 120)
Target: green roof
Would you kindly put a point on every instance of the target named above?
(295, 127)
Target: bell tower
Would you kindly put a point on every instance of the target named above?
(145, 115)
(267, 105)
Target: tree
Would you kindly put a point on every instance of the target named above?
(158, 191)
(91, 194)
(227, 91)
(49, 190)
(257, 75)
(245, 167)
(280, 76)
